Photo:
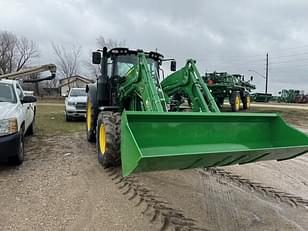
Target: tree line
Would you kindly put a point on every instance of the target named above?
(18, 52)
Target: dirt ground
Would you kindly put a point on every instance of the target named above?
(61, 186)
(272, 105)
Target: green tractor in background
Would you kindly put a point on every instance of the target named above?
(292, 96)
(131, 118)
(232, 86)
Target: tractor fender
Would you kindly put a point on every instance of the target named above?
(91, 89)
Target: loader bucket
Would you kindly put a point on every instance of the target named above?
(177, 140)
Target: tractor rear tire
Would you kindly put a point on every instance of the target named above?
(246, 101)
(91, 115)
(108, 139)
(235, 101)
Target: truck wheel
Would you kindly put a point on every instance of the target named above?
(31, 128)
(91, 115)
(108, 139)
(246, 101)
(67, 118)
(19, 157)
(235, 101)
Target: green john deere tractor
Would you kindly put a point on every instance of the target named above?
(129, 116)
(233, 87)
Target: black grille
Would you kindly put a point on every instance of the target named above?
(81, 105)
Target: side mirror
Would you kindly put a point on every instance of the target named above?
(173, 65)
(28, 99)
(96, 57)
(279, 93)
(251, 78)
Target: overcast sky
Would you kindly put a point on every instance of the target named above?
(232, 36)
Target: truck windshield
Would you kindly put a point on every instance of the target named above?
(7, 93)
(78, 92)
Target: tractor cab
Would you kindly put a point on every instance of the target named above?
(117, 66)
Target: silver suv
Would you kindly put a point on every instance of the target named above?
(75, 104)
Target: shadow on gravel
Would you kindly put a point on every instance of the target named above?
(5, 166)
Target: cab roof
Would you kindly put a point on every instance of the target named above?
(123, 51)
(9, 81)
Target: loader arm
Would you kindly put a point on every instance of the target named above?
(140, 85)
(187, 80)
(154, 140)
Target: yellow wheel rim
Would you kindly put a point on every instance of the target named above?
(237, 103)
(89, 109)
(102, 139)
(248, 101)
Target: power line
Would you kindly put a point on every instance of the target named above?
(241, 63)
(300, 65)
(291, 48)
(291, 55)
(290, 62)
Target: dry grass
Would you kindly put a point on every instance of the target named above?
(293, 116)
(50, 120)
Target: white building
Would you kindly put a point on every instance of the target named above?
(71, 82)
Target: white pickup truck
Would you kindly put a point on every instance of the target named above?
(17, 116)
(75, 104)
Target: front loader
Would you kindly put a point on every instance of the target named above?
(129, 116)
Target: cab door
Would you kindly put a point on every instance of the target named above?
(26, 107)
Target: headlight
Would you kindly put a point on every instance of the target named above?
(8, 126)
(71, 103)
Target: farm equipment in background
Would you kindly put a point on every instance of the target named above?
(128, 115)
(261, 97)
(234, 87)
(301, 98)
(292, 96)
(22, 74)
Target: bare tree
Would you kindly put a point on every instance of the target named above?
(68, 60)
(102, 42)
(15, 53)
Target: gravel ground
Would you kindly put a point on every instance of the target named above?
(61, 186)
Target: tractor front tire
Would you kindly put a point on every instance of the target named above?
(246, 101)
(235, 101)
(108, 139)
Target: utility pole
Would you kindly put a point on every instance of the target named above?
(266, 77)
